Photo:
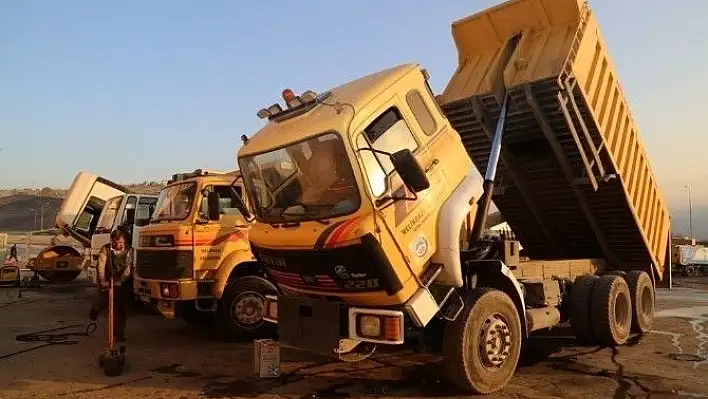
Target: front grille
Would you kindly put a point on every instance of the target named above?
(163, 265)
(321, 282)
(354, 268)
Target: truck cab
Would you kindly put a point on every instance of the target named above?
(194, 260)
(86, 213)
(336, 221)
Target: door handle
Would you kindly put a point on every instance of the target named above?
(432, 165)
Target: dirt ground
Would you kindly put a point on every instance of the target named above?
(167, 359)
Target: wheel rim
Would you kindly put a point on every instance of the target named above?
(622, 310)
(495, 342)
(647, 303)
(247, 309)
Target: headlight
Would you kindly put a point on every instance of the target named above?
(376, 325)
(169, 290)
(370, 326)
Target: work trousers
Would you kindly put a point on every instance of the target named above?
(121, 299)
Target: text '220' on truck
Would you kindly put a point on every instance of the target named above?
(370, 215)
(194, 259)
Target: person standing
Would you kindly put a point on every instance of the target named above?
(13, 253)
(115, 260)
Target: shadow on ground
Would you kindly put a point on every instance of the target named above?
(177, 360)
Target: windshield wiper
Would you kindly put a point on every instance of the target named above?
(322, 221)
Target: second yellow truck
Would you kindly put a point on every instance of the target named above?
(194, 260)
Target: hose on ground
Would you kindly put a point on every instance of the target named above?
(49, 339)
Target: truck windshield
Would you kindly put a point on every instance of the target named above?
(175, 202)
(307, 180)
(108, 215)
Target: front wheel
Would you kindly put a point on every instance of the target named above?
(482, 346)
(242, 307)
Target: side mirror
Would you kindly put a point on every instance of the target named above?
(410, 170)
(129, 217)
(213, 204)
(142, 222)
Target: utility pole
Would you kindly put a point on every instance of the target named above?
(34, 227)
(690, 211)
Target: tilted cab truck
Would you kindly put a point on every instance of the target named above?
(194, 260)
(92, 208)
(372, 225)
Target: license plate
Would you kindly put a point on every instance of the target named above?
(144, 298)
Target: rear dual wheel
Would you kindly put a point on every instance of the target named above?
(642, 291)
(611, 310)
(604, 310)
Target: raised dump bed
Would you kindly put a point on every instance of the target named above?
(574, 180)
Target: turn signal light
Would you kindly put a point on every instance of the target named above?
(385, 328)
(271, 309)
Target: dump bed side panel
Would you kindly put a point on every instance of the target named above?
(573, 179)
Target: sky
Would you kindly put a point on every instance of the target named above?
(136, 90)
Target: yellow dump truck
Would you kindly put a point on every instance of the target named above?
(194, 261)
(372, 224)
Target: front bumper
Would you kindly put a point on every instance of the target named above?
(166, 293)
(297, 316)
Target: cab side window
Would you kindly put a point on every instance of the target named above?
(421, 112)
(227, 201)
(390, 133)
(129, 204)
(146, 205)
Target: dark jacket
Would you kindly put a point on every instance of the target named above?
(119, 266)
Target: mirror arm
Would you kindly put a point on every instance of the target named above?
(393, 199)
(388, 154)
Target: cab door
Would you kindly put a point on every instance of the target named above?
(410, 218)
(215, 239)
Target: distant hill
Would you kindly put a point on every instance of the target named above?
(23, 212)
(20, 209)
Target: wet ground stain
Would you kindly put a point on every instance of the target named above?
(685, 357)
(423, 379)
(172, 369)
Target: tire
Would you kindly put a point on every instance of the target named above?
(194, 317)
(56, 276)
(642, 293)
(467, 365)
(248, 290)
(579, 305)
(611, 311)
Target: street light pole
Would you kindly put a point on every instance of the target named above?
(690, 211)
